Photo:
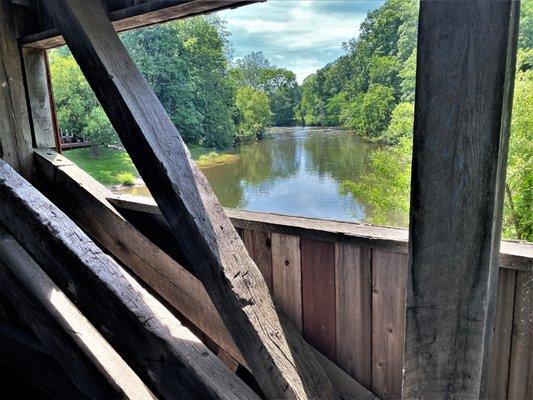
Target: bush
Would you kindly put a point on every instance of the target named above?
(125, 178)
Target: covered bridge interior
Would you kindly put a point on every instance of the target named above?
(107, 296)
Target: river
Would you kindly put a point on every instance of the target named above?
(299, 171)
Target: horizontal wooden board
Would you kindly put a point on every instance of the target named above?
(514, 254)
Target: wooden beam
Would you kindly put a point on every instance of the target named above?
(465, 75)
(170, 360)
(47, 312)
(84, 200)
(86, 203)
(132, 14)
(514, 255)
(39, 98)
(199, 225)
(15, 134)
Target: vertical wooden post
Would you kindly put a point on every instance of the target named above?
(39, 97)
(466, 62)
(15, 135)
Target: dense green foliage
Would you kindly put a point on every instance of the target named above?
(253, 108)
(279, 84)
(187, 63)
(78, 111)
(391, 168)
(361, 89)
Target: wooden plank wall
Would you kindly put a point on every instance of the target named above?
(349, 301)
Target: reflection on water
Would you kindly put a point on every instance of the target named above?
(297, 172)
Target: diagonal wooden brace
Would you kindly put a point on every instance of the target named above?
(200, 226)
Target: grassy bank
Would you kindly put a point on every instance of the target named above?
(114, 167)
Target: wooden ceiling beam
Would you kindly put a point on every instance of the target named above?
(133, 16)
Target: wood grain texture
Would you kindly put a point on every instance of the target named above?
(287, 276)
(39, 98)
(84, 200)
(180, 288)
(514, 254)
(15, 133)
(170, 360)
(521, 363)
(259, 246)
(199, 225)
(465, 76)
(501, 344)
(353, 288)
(318, 295)
(84, 354)
(389, 275)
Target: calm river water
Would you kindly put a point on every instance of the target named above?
(297, 171)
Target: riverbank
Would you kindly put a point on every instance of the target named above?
(113, 167)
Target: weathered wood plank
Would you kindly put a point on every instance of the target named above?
(84, 199)
(92, 363)
(389, 275)
(287, 276)
(86, 203)
(15, 133)
(258, 244)
(521, 363)
(172, 362)
(198, 222)
(318, 295)
(514, 255)
(39, 98)
(501, 345)
(353, 287)
(465, 76)
(228, 360)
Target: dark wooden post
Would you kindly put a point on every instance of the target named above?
(466, 61)
(15, 134)
(199, 223)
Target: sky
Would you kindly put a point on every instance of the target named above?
(300, 35)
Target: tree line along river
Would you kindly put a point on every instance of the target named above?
(299, 171)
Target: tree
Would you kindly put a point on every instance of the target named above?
(518, 210)
(256, 71)
(401, 123)
(408, 79)
(78, 110)
(206, 44)
(254, 113)
(160, 54)
(369, 113)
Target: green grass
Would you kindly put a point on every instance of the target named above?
(111, 167)
(114, 167)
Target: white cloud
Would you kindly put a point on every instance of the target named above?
(300, 35)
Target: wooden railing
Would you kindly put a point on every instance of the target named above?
(342, 284)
